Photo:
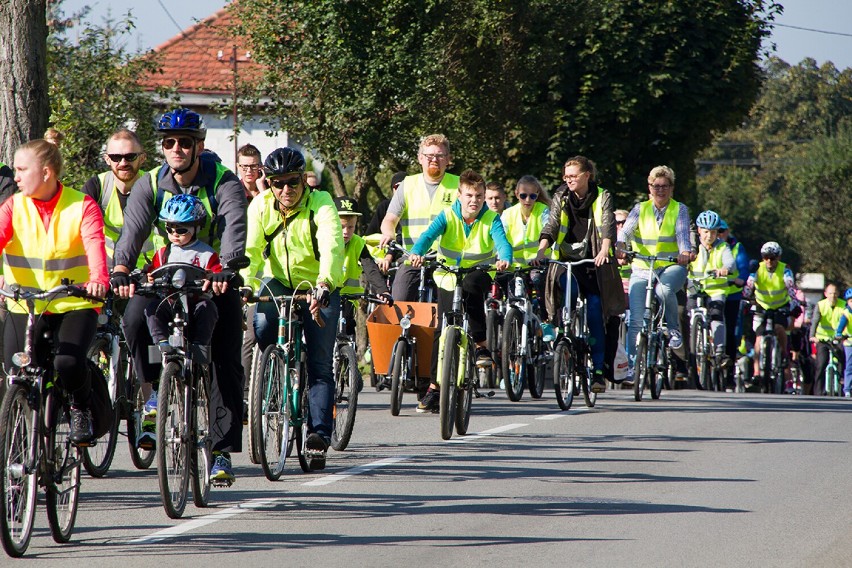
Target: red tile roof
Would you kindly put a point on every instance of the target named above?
(191, 60)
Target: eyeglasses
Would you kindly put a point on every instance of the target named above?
(184, 143)
(118, 157)
(248, 167)
(279, 183)
(175, 230)
(770, 258)
(434, 157)
(574, 177)
(660, 187)
(532, 196)
(621, 222)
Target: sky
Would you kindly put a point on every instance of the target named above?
(160, 20)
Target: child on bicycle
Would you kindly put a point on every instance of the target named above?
(468, 234)
(844, 328)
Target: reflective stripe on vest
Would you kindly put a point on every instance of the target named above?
(524, 238)
(47, 255)
(465, 251)
(649, 239)
(352, 266)
(770, 292)
(829, 318)
(114, 221)
(714, 287)
(419, 209)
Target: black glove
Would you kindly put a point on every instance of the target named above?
(221, 277)
(118, 279)
(322, 295)
(387, 298)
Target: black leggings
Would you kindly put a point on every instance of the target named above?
(72, 335)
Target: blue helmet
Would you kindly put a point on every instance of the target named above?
(182, 121)
(184, 209)
(708, 220)
(723, 225)
(848, 294)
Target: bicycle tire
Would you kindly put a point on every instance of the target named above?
(202, 443)
(256, 359)
(142, 459)
(563, 374)
(641, 367)
(399, 366)
(449, 375)
(778, 373)
(671, 372)
(766, 367)
(98, 458)
(173, 447)
(584, 378)
(303, 411)
(270, 420)
(347, 380)
(536, 371)
(62, 470)
(493, 340)
(656, 378)
(17, 508)
(464, 396)
(513, 364)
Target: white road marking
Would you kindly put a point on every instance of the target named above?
(478, 435)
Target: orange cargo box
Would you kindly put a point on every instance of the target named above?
(383, 330)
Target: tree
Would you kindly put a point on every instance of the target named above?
(23, 101)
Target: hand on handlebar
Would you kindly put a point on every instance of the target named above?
(218, 281)
(502, 265)
(386, 239)
(96, 289)
(684, 258)
(602, 257)
(121, 284)
(384, 263)
(386, 298)
(416, 260)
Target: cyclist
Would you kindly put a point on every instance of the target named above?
(250, 170)
(658, 226)
(524, 221)
(582, 226)
(844, 327)
(189, 170)
(468, 234)
(773, 289)
(48, 233)
(300, 231)
(734, 294)
(417, 201)
(495, 197)
(825, 318)
(714, 254)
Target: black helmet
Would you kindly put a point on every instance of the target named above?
(182, 121)
(284, 161)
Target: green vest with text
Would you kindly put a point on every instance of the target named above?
(649, 239)
(770, 292)
(419, 209)
(457, 249)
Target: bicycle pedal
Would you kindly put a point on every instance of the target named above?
(221, 482)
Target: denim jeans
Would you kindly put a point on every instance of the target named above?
(319, 348)
(594, 317)
(671, 279)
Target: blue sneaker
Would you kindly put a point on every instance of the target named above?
(222, 470)
(147, 439)
(151, 404)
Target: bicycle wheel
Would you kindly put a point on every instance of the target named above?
(513, 362)
(173, 447)
(765, 367)
(400, 367)
(62, 470)
(494, 342)
(302, 433)
(98, 458)
(449, 375)
(17, 488)
(142, 459)
(657, 374)
(202, 455)
(536, 371)
(464, 396)
(563, 374)
(254, 447)
(778, 373)
(671, 371)
(641, 367)
(583, 374)
(270, 419)
(348, 384)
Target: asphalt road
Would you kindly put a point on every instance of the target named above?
(693, 479)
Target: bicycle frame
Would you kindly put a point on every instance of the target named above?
(457, 318)
(518, 298)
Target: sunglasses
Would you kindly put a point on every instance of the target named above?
(184, 143)
(620, 222)
(770, 258)
(532, 196)
(174, 230)
(131, 157)
(279, 183)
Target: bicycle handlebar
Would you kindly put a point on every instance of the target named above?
(75, 290)
(567, 263)
(372, 298)
(630, 255)
(250, 298)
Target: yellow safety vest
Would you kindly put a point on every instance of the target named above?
(419, 209)
(45, 256)
(114, 221)
(829, 319)
(770, 292)
(523, 238)
(714, 287)
(454, 248)
(650, 239)
(352, 266)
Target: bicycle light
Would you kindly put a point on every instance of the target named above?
(21, 359)
(405, 322)
(179, 278)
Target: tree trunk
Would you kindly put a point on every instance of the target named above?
(336, 173)
(24, 105)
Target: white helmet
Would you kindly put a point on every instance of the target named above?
(770, 249)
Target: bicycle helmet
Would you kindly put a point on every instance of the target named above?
(848, 294)
(182, 121)
(723, 225)
(770, 249)
(184, 209)
(284, 161)
(708, 220)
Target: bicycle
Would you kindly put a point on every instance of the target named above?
(35, 425)
(769, 361)
(522, 361)
(833, 372)
(495, 311)
(278, 399)
(184, 447)
(708, 362)
(652, 356)
(571, 352)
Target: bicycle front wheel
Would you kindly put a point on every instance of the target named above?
(584, 377)
(173, 448)
(347, 386)
(270, 417)
(464, 396)
(254, 446)
(563, 374)
(202, 455)
(98, 458)
(641, 367)
(141, 458)
(537, 369)
(449, 376)
(17, 485)
(513, 361)
(62, 470)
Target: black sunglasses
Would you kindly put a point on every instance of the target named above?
(532, 196)
(118, 157)
(279, 183)
(770, 258)
(176, 230)
(184, 143)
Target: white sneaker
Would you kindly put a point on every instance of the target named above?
(675, 339)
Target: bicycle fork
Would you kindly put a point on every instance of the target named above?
(464, 345)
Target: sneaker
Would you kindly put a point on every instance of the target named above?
(675, 339)
(483, 357)
(316, 447)
(547, 332)
(627, 383)
(430, 402)
(81, 427)
(221, 470)
(598, 383)
(147, 439)
(151, 404)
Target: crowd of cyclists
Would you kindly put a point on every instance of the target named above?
(272, 229)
